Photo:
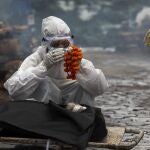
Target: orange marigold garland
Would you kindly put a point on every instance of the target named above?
(72, 61)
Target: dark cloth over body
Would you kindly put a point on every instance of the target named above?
(38, 120)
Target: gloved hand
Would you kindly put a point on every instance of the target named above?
(75, 107)
(53, 57)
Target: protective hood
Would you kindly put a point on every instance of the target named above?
(54, 28)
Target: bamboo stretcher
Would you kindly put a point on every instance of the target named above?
(114, 140)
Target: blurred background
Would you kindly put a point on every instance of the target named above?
(111, 33)
(118, 25)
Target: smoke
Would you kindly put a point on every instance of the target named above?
(86, 13)
(66, 6)
(94, 23)
(144, 14)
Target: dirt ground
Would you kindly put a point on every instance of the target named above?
(127, 101)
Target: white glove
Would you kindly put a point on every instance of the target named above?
(75, 107)
(53, 57)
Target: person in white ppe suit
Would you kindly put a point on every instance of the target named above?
(41, 76)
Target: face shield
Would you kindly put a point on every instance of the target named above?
(57, 42)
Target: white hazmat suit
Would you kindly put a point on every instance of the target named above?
(35, 81)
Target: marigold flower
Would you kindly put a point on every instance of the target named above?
(72, 60)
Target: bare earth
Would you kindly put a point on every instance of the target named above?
(127, 101)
